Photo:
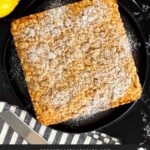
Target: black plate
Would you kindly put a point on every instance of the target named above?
(17, 82)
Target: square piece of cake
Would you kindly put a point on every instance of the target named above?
(76, 60)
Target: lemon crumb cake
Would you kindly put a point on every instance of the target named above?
(76, 58)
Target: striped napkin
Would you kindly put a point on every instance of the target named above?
(9, 136)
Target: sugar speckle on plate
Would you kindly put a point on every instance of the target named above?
(146, 129)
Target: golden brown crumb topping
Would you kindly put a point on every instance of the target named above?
(76, 58)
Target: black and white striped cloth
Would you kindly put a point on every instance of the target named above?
(9, 136)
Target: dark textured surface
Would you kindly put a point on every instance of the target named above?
(128, 128)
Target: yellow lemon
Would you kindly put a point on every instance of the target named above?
(7, 6)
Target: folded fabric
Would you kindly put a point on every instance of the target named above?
(9, 136)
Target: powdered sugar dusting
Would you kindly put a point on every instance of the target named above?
(133, 41)
(145, 8)
(73, 58)
(146, 129)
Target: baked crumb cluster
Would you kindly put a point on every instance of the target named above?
(76, 60)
